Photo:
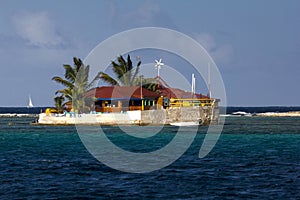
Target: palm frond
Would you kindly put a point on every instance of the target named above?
(118, 69)
(70, 74)
(107, 78)
(82, 76)
(121, 60)
(62, 81)
(77, 64)
(122, 64)
(128, 75)
(64, 92)
(150, 84)
(92, 83)
(67, 93)
(129, 63)
(137, 70)
(58, 100)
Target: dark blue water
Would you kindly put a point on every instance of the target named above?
(255, 158)
(22, 110)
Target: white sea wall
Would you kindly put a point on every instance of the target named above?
(155, 117)
(181, 114)
(130, 117)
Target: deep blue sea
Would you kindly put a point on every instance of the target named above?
(255, 158)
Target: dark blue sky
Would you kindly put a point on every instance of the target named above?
(255, 44)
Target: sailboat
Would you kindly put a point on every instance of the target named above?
(30, 105)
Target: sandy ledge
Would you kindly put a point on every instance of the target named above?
(18, 115)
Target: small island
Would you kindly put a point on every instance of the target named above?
(128, 99)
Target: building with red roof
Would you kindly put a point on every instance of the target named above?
(122, 98)
(127, 98)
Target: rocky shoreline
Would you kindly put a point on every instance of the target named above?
(283, 114)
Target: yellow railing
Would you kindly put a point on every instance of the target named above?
(117, 109)
(190, 102)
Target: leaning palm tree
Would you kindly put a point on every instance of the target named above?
(77, 74)
(69, 78)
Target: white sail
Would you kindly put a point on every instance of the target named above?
(30, 105)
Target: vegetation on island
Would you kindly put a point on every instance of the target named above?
(76, 84)
(127, 75)
(75, 79)
(59, 103)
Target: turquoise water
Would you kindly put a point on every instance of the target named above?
(255, 158)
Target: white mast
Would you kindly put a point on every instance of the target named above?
(193, 84)
(208, 80)
(141, 87)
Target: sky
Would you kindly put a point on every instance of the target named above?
(255, 44)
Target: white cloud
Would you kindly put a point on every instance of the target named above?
(206, 40)
(220, 53)
(223, 54)
(37, 29)
(148, 13)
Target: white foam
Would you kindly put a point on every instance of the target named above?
(17, 115)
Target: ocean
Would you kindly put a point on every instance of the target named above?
(254, 158)
(229, 110)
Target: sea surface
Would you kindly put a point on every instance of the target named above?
(229, 110)
(255, 158)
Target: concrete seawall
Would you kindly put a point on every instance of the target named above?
(189, 114)
(154, 117)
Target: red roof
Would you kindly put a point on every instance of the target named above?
(129, 92)
(167, 91)
(178, 93)
(120, 92)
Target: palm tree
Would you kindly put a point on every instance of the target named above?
(150, 84)
(80, 88)
(76, 83)
(69, 79)
(75, 79)
(125, 73)
(59, 103)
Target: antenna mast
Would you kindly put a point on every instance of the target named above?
(193, 84)
(141, 87)
(208, 80)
